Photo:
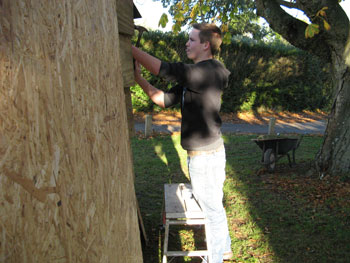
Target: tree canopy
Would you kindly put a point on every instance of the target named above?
(236, 17)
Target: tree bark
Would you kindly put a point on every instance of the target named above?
(334, 155)
(333, 46)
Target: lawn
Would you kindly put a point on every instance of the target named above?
(292, 215)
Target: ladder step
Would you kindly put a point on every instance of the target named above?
(181, 208)
(196, 253)
(188, 222)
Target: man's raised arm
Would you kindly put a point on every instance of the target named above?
(156, 95)
(152, 64)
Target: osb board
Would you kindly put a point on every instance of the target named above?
(125, 10)
(66, 183)
(126, 60)
(129, 113)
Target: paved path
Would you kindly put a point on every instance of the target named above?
(315, 127)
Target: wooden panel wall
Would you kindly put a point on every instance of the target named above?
(126, 30)
(66, 184)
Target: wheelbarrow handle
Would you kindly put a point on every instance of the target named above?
(299, 141)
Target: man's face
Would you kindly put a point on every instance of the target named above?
(194, 47)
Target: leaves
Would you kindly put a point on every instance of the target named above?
(205, 9)
(163, 20)
(179, 17)
(238, 15)
(176, 27)
(227, 38)
(326, 25)
(224, 28)
(322, 12)
(194, 12)
(311, 30)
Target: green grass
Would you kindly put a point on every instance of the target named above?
(288, 216)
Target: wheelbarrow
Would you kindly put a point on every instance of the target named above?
(274, 148)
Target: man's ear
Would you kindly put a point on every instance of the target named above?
(206, 45)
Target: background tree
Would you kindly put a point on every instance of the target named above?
(327, 36)
(236, 17)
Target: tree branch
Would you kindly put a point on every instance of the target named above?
(287, 4)
(292, 29)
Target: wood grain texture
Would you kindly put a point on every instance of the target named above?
(66, 177)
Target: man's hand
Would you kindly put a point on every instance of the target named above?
(137, 71)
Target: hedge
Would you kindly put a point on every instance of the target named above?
(268, 75)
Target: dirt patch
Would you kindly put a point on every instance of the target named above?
(174, 118)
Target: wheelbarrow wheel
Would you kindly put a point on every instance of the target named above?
(270, 160)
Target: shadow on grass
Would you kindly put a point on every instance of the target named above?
(287, 216)
(156, 162)
(283, 217)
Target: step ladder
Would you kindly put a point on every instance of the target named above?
(181, 208)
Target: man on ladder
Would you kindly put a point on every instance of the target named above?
(199, 90)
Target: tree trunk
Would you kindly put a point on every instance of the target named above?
(334, 155)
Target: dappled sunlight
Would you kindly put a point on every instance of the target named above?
(159, 151)
(347, 52)
(158, 160)
(249, 238)
(288, 216)
(261, 117)
(182, 155)
(282, 217)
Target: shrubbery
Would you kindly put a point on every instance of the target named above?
(272, 76)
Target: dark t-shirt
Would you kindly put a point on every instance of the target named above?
(199, 90)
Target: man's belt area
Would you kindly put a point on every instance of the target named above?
(196, 153)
